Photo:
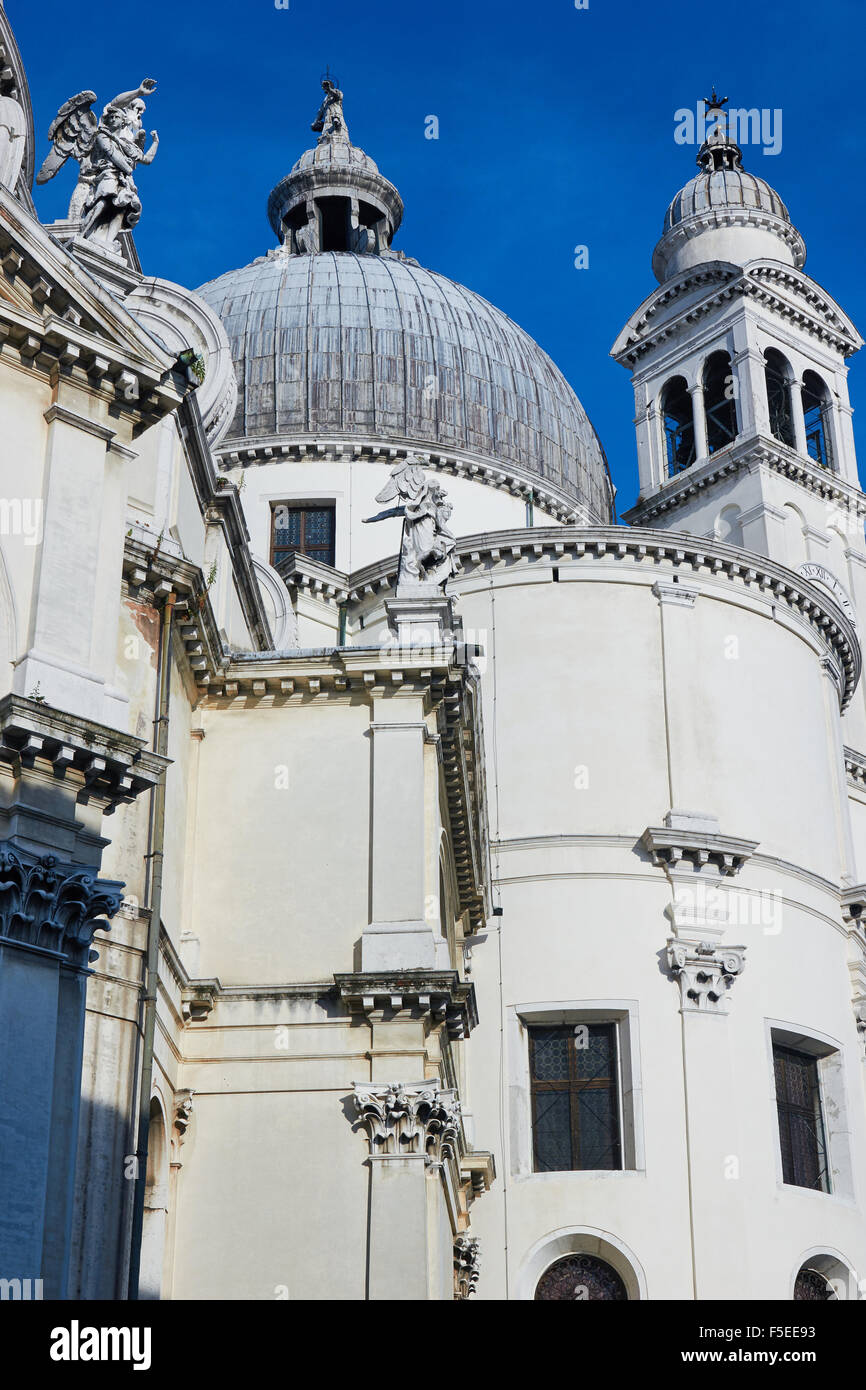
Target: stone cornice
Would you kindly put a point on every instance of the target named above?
(707, 219)
(60, 320)
(750, 453)
(668, 847)
(764, 281)
(551, 546)
(152, 568)
(476, 467)
(112, 767)
(445, 683)
(438, 994)
(221, 505)
(855, 768)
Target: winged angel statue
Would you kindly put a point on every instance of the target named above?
(108, 150)
(427, 548)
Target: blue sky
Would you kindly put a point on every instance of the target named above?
(556, 129)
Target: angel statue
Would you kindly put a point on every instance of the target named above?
(330, 120)
(108, 150)
(427, 547)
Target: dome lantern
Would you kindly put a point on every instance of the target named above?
(725, 213)
(334, 198)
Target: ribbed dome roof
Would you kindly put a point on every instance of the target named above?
(724, 188)
(342, 344)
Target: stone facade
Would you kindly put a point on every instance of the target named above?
(315, 844)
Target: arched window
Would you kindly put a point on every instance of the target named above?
(816, 412)
(679, 425)
(777, 373)
(813, 1287)
(578, 1278)
(719, 406)
(155, 1206)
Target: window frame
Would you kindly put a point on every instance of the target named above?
(832, 1058)
(788, 1110)
(622, 1012)
(574, 1086)
(303, 504)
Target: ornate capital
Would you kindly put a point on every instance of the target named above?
(53, 906)
(705, 972)
(467, 1266)
(410, 1118)
(183, 1108)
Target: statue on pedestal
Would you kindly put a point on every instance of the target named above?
(427, 548)
(105, 200)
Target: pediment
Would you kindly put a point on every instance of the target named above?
(53, 311)
(703, 289)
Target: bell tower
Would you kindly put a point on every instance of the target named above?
(738, 361)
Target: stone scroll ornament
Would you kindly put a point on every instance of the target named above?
(427, 548)
(108, 150)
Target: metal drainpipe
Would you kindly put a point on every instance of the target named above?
(157, 841)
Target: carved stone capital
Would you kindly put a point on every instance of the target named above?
(53, 906)
(410, 1118)
(705, 972)
(467, 1266)
(854, 905)
(183, 1108)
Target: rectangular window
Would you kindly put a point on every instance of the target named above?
(307, 529)
(575, 1097)
(801, 1120)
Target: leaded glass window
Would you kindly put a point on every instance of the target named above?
(575, 1097)
(579, 1278)
(801, 1122)
(307, 530)
(812, 1287)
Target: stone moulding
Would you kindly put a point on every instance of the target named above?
(705, 972)
(749, 454)
(53, 906)
(855, 768)
(823, 319)
(438, 994)
(669, 848)
(250, 452)
(112, 766)
(681, 553)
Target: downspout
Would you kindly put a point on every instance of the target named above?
(157, 843)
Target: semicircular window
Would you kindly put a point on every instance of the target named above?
(812, 1287)
(579, 1278)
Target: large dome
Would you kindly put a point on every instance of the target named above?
(340, 344)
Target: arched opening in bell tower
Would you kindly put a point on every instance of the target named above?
(816, 413)
(778, 377)
(679, 425)
(720, 408)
